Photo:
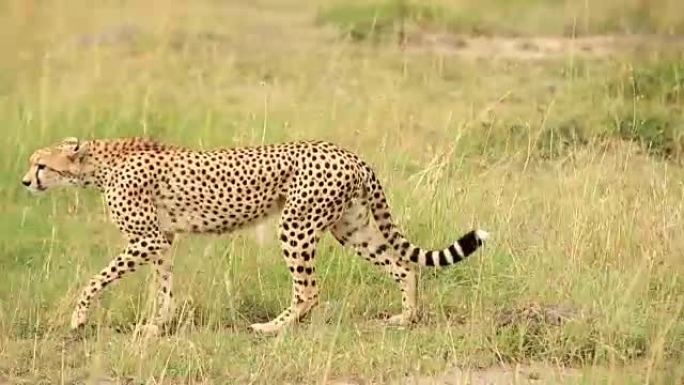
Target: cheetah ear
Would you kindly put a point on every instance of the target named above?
(76, 148)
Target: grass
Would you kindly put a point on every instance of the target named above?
(572, 161)
(374, 20)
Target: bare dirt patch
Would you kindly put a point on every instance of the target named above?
(537, 374)
(502, 375)
(538, 314)
(537, 47)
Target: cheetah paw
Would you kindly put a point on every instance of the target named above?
(78, 319)
(148, 331)
(401, 320)
(267, 327)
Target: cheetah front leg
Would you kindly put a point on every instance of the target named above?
(164, 280)
(138, 252)
(298, 244)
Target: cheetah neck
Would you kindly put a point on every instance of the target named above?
(103, 155)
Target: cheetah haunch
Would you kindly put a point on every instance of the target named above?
(154, 190)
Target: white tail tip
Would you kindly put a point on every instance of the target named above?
(483, 235)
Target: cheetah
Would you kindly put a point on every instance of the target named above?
(154, 191)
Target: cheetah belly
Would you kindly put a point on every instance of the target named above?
(199, 218)
(221, 200)
(175, 221)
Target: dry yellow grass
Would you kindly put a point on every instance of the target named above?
(535, 150)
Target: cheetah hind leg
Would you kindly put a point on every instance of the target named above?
(354, 230)
(299, 253)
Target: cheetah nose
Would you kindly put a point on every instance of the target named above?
(26, 182)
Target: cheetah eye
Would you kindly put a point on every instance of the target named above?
(41, 167)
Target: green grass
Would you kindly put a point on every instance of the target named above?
(572, 161)
(375, 20)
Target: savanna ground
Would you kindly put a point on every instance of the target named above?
(558, 126)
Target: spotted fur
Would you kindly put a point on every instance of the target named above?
(155, 190)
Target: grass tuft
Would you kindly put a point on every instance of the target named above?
(382, 20)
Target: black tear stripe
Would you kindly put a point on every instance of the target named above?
(39, 185)
(469, 243)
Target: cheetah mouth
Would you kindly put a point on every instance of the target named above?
(36, 189)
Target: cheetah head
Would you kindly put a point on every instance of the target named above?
(58, 165)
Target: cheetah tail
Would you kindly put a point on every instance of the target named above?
(450, 255)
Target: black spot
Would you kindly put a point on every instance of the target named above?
(381, 249)
(414, 254)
